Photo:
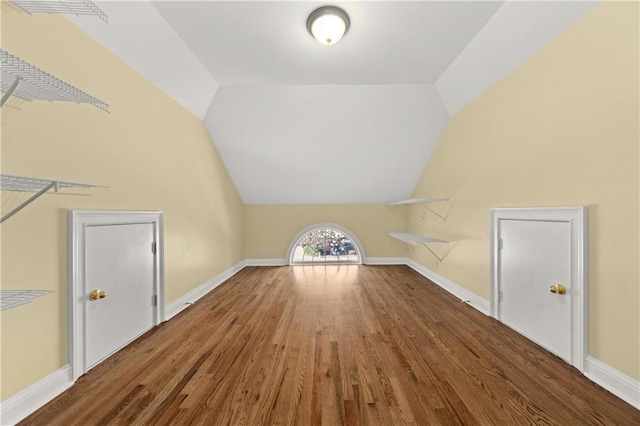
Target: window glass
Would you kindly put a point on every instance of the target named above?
(325, 245)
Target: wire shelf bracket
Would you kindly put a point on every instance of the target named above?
(73, 7)
(37, 186)
(22, 80)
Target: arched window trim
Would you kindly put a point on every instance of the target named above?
(345, 231)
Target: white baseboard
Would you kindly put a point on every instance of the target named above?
(25, 402)
(458, 291)
(177, 306)
(385, 261)
(266, 262)
(619, 384)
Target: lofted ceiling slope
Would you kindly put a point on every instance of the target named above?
(299, 122)
(325, 144)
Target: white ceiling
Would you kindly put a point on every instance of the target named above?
(299, 122)
(268, 43)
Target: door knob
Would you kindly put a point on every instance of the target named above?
(558, 289)
(97, 294)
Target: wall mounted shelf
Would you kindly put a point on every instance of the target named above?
(415, 239)
(70, 7)
(25, 81)
(12, 298)
(422, 200)
(37, 186)
(417, 201)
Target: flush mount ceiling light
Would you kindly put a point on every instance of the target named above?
(328, 24)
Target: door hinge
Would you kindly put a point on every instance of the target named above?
(154, 248)
(500, 244)
(499, 295)
(154, 300)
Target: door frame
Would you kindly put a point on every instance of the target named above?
(77, 223)
(577, 219)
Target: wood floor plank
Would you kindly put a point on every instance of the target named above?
(333, 345)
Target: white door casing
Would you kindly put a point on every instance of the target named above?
(84, 225)
(555, 237)
(119, 261)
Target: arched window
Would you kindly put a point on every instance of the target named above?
(325, 243)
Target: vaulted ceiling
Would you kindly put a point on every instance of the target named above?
(299, 122)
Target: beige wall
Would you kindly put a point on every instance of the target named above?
(275, 226)
(151, 152)
(562, 129)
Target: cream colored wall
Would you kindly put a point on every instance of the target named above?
(275, 226)
(562, 129)
(150, 151)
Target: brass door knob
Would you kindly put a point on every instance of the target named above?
(97, 294)
(558, 289)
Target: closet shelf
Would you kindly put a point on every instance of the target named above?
(12, 298)
(25, 81)
(415, 239)
(73, 7)
(29, 184)
(417, 201)
(37, 186)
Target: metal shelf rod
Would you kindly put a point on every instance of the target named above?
(434, 212)
(440, 259)
(27, 202)
(10, 91)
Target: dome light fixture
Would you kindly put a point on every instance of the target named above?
(328, 24)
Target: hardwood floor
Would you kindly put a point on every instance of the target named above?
(333, 345)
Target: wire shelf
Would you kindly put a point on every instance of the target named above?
(22, 184)
(29, 184)
(415, 239)
(25, 81)
(74, 7)
(417, 201)
(12, 298)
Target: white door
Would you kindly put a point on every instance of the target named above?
(120, 263)
(534, 256)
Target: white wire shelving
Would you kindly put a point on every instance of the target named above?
(424, 201)
(415, 239)
(37, 186)
(72, 7)
(12, 298)
(23, 80)
(417, 201)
